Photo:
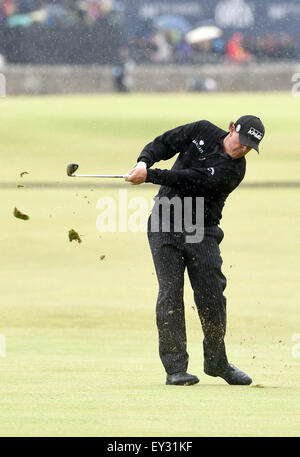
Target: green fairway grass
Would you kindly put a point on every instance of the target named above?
(79, 354)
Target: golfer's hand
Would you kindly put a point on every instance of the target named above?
(137, 176)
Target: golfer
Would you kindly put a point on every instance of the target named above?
(210, 165)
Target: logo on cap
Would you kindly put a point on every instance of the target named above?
(238, 128)
(258, 135)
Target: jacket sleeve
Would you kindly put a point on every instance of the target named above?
(197, 180)
(168, 144)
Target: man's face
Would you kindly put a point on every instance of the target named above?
(233, 147)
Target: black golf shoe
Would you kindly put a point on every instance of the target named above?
(181, 379)
(232, 375)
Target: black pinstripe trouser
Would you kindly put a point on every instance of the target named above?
(171, 255)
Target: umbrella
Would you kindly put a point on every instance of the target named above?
(172, 22)
(203, 34)
(38, 15)
(19, 20)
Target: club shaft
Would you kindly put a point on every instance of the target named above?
(99, 176)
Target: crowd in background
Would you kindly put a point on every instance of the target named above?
(156, 44)
(166, 47)
(24, 13)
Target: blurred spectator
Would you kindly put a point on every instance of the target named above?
(271, 47)
(219, 46)
(140, 48)
(235, 51)
(122, 72)
(183, 52)
(161, 48)
(8, 8)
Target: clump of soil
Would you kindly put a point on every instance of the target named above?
(74, 236)
(20, 215)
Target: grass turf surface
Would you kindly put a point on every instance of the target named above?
(81, 342)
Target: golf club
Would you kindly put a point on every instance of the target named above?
(72, 167)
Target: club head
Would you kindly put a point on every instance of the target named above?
(71, 168)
